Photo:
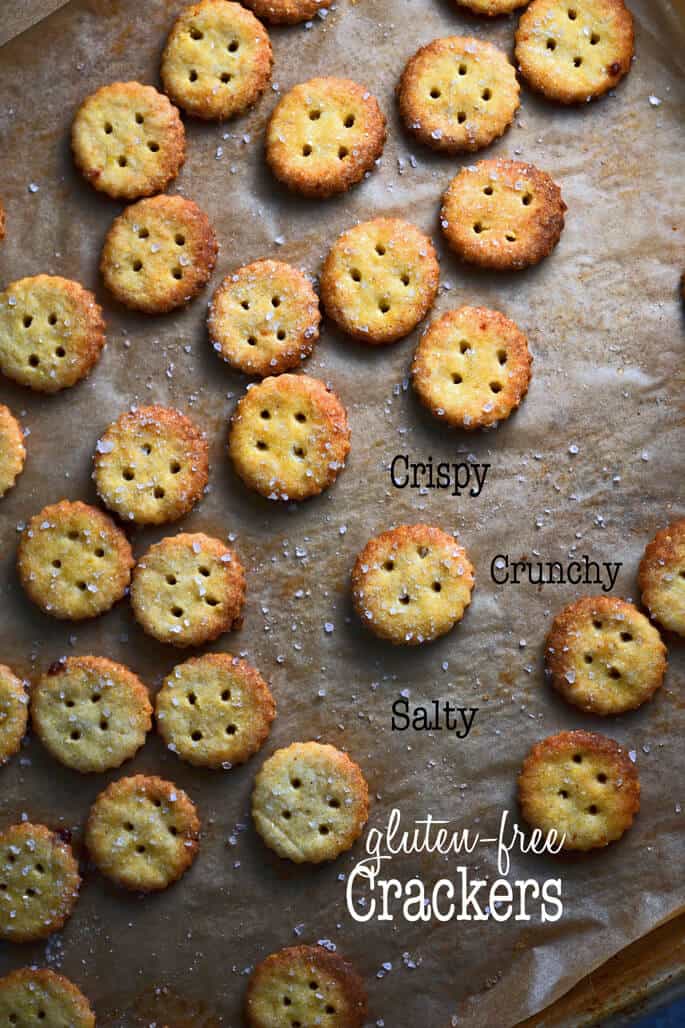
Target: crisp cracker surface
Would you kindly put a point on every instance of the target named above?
(286, 12)
(662, 577)
(39, 882)
(31, 997)
(581, 785)
(12, 449)
(14, 713)
(310, 802)
(491, 8)
(380, 279)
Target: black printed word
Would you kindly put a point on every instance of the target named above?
(583, 571)
(437, 715)
(458, 476)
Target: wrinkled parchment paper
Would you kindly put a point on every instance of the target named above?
(604, 322)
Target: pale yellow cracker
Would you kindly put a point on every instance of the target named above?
(158, 254)
(14, 713)
(12, 449)
(310, 802)
(30, 997)
(286, 12)
(39, 882)
(214, 711)
(90, 713)
(491, 8)
(188, 589)
(662, 577)
(380, 279)
(582, 786)
(51, 332)
(142, 832)
(217, 59)
(289, 437)
(324, 135)
(151, 465)
(73, 561)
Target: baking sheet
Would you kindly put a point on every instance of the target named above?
(604, 323)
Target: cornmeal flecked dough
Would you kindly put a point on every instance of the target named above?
(604, 656)
(310, 802)
(472, 367)
(217, 60)
(40, 882)
(12, 449)
(662, 577)
(158, 254)
(412, 584)
(574, 50)
(73, 561)
(90, 713)
(188, 589)
(286, 12)
(30, 996)
(264, 318)
(151, 465)
(316, 986)
(51, 332)
(128, 140)
(503, 215)
(582, 785)
(214, 711)
(14, 713)
(324, 135)
(491, 8)
(458, 94)
(380, 280)
(143, 832)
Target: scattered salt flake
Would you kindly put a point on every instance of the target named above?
(654, 101)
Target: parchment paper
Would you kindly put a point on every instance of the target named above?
(604, 321)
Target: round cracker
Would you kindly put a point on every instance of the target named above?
(491, 8)
(12, 449)
(39, 882)
(30, 995)
(286, 12)
(662, 577)
(14, 713)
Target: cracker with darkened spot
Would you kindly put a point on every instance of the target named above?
(30, 995)
(324, 135)
(39, 882)
(264, 318)
(158, 254)
(73, 561)
(380, 279)
(12, 449)
(14, 713)
(662, 577)
(310, 802)
(581, 785)
(286, 12)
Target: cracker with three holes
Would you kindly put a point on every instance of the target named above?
(472, 367)
(73, 561)
(217, 60)
(324, 135)
(380, 280)
(158, 254)
(662, 577)
(457, 94)
(142, 832)
(412, 584)
(491, 8)
(14, 713)
(128, 140)
(51, 332)
(39, 882)
(214, 711)
(188, 589)
(12, 449)
(264, 318)
(310, 802)
(151, 465)
(503, 215)
(30, 995)
(581, 785)
(289, 437)
(90, 713)
(286, 12)
(574, 50)
(305, 985)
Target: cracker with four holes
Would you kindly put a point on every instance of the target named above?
(305, 985)
(264, 318)
(217, 60)
(73, 561)
(90, 713)
(39, 882)
(289, 437)
(324, 135)
(158, 254)
(662, 577)
(12, 449)
(151, 465)
(574, 50)
(143, 832)
(310, 802)
(128, 140)
(214, 711)
(581, 785)
(458, 94)
(51, 332)
(286, 12)
(14, 713)
(412, 584)
(472, 367)
(491, 8)
(380, 280)
(29, 996)
(188, 589)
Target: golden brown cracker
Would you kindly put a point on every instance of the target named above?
(286, 12)
(14, 713)
(491, 8)
(30, 996)
(662, 577)
(12, 449)
(39, 882)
